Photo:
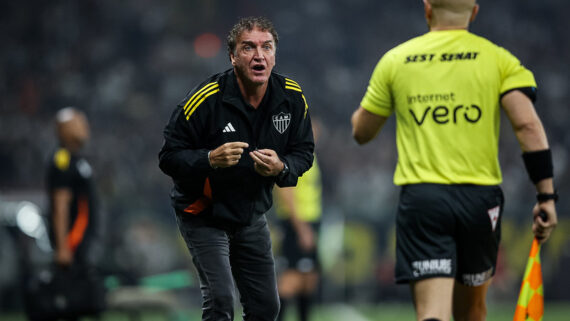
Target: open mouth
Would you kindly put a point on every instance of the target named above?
(258, 68)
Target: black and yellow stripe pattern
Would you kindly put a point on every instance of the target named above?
(293, 85)
(199, 97)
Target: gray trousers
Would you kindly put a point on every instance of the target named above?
(222, 255)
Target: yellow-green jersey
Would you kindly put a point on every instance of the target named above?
(307, 196)
(445, 89)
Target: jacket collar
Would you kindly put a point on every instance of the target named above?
(232, 95)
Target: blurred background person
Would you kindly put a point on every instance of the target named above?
(71, 194)
(72, 217)
(299, 211)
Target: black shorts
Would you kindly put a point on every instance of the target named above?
(448, 231)
(292, 255)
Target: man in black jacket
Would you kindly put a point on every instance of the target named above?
(227, 143)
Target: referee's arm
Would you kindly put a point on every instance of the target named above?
(532, 138)
(366, 125)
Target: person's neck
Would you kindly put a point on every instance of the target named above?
(252, 93)
(441, 28)
(72, 147)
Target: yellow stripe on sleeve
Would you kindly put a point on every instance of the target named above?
(294, 88)
(293, 85)
(289, 84)
(306, 106)
(194, 106)
(199, 98)
(198, 93)
(292, 82)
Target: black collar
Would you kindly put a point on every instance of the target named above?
(232, 95)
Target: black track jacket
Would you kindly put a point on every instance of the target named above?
(215, 113)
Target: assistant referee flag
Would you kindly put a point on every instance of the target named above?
(530, 306)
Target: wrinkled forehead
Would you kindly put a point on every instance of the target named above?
(255, 35)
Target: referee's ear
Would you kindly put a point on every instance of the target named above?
(474, 13)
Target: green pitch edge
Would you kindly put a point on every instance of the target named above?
(166, 281)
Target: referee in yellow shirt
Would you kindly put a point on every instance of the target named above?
(446, 88)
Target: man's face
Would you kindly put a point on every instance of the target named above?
(254, 56)
(74, 132)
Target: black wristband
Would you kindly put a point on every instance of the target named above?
(538, 165)
(530, 92)
(543, 197)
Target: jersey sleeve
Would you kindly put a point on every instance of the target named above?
(513, 74)
(378, 97)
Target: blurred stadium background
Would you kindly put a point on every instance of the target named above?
(127, 63)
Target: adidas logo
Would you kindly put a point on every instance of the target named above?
(229, 128)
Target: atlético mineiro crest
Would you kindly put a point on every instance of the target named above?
(281, 122)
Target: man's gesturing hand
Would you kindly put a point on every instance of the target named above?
(266, 162)
(227, 155)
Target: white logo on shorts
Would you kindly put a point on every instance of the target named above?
(427, 267)
(494, 215)
(477, 278)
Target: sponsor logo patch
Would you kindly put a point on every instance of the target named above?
(427, 267)
(477, 279)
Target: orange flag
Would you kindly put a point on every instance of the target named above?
(530, 306)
